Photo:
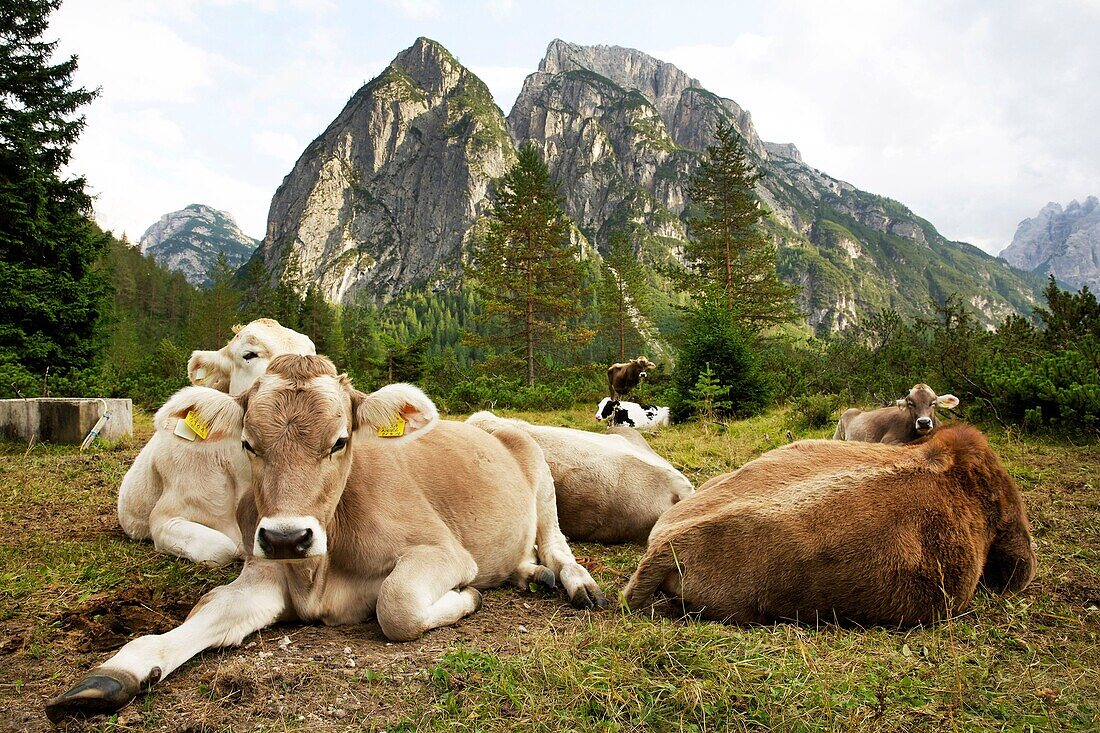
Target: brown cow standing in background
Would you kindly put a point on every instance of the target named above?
(865, 532)
(621, 378)
(914, 417)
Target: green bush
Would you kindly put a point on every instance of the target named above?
(711, 336)
(815, 410)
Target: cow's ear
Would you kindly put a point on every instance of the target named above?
(948, 401)
(213, 414)
(901, 403)
(395, 412)
(209, 369)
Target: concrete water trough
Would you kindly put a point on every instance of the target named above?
(64, 419)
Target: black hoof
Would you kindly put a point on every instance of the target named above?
(96, 694)
(589, 598)
(545, 577)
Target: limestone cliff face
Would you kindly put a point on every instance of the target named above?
(1060, 242)
(623, 133)
(189, 240)
(382, 199)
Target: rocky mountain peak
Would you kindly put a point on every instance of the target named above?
(430, 66)
(190, 240)
(1064, 242)
(382, 199)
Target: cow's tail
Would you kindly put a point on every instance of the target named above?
(658, 563)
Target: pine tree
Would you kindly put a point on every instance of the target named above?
(526, 268)
(53, 293)
(624, 290)
(732, 259)
(218, 308)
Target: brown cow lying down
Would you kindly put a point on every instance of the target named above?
(361, 505)
(914, 417)
(864, 532)
(609, 488)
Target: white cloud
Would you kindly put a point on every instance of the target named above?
(280, 145)
(417, 9)
(972, 118)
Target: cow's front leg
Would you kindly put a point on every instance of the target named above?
(428, 588)
(222, 617)
(195, 542)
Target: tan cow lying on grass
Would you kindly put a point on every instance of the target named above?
(183, 492)
(343, 523)
(871, 533)
(914, 417)
(609, 488)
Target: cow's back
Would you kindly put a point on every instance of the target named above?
(457, 479)
(868, 531)
(884, 425)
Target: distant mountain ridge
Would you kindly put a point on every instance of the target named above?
(1060, 242)
(385, 200)
(189, 241)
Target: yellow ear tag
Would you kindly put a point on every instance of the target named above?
(396, 430)
(195, 422)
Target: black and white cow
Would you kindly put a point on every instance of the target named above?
(639, 417)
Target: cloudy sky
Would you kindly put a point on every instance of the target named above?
(973, 114)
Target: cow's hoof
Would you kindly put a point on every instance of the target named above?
(545, 577)
(479, 599)
(588, 598)
(103, 692)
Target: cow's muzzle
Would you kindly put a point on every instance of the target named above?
(924, 424)
(289, 538)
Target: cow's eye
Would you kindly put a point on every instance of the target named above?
(248, 447)
(250, 355)
(910, 404)
(338, 445)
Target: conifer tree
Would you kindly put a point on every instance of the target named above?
(526, 268)
(731, 257)
(624, 290)
(53, 293)
(218, 309)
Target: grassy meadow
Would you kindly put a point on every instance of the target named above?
(73, 589)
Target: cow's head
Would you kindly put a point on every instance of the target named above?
(606, 409)
(921, 404)
(643, 365)
(298, 423)
(238, 364)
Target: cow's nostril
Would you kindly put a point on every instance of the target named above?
(304, 541)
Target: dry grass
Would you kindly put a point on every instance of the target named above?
(72, 588)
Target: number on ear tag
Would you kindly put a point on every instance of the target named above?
(396, 430)
(195, 422)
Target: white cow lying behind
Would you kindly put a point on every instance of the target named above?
(182, 493)
(631, 414)
(609, 488)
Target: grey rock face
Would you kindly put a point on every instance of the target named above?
(623, 132)
(1060, 242)
(382, 200)
(189, 240)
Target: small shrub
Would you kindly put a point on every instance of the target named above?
(815, 410)
(707, 396)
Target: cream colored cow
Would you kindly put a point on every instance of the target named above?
(609, 488)
(345, 523)
(182, 493)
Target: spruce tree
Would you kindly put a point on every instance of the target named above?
(623, 291)
(731, 257)
(526, 269)
(53, 293)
